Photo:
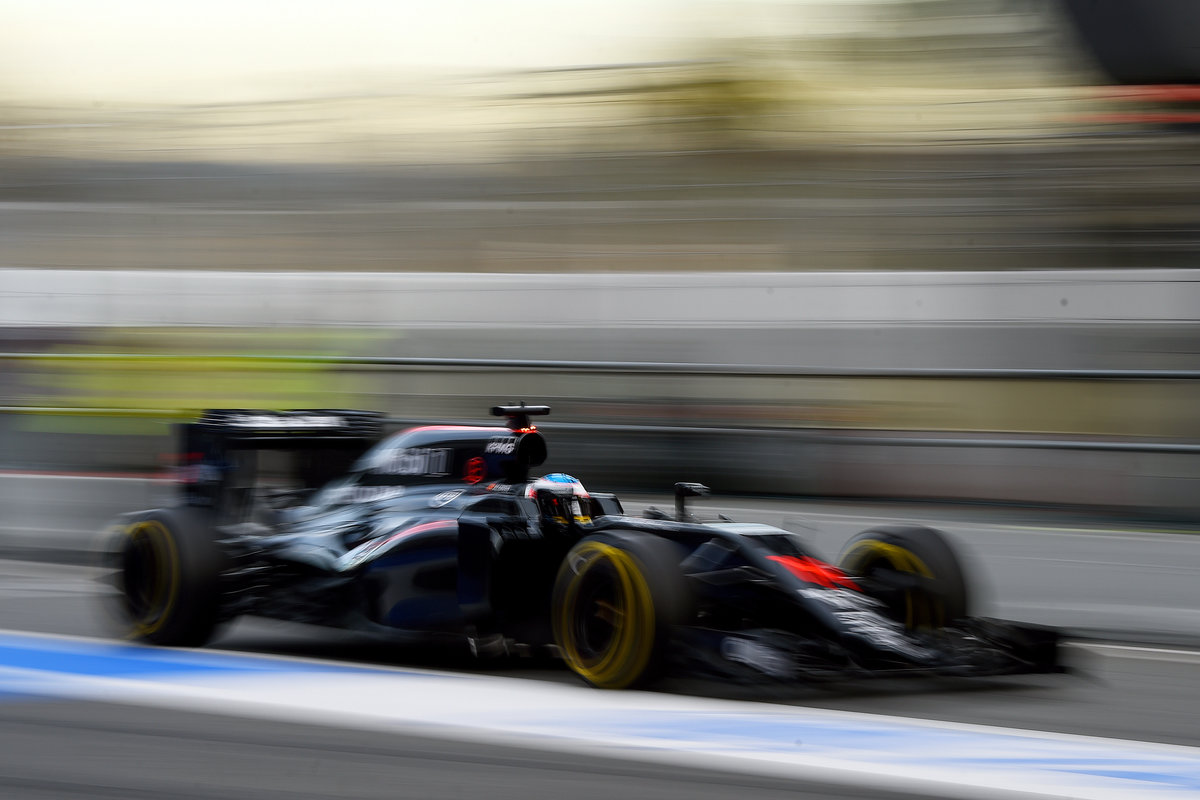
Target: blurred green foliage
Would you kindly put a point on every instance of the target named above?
(133, 377)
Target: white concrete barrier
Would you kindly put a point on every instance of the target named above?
(1024, 320)
(207, 298)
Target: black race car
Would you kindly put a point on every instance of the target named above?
(438, 533)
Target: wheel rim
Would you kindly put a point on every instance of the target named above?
(915, 608)
(150, 576)
(605, 622)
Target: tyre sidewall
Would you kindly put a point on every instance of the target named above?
(655, 601)
(177, 576)
(924, 552)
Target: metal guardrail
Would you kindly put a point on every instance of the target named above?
(851, 436)
(629, 367)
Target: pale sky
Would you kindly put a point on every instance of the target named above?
(231, 50)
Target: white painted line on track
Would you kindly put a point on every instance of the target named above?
(930, 758)
(1140, 652)
(83, 476)
(1128, 651)
(853, 519)
(35, 532)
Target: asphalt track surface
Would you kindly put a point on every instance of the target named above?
(1102, 203)
(99, 751)
(67, 748)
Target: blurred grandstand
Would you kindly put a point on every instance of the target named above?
(932, 135)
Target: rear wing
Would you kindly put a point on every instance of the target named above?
(245, 428)
(219, 454)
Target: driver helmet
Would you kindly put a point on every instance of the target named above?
(562, 498)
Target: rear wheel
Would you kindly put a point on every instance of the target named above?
(168, 571)
(617, 599)
(913, 570)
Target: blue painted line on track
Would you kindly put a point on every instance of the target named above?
(795, 738)
(7, 697)
(117, 660)
(1168, 779)
(902, 743)
(781, 733)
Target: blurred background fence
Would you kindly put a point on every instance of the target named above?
(911, 248)
(1056, 388)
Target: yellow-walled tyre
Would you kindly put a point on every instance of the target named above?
(927, 589)
(168, 568)
(617, 599)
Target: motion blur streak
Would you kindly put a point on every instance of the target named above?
(1056, 387)
(689, 140)
(915, 134)
(876, 185)
(858, 749)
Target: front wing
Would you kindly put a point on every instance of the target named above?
(971, 648)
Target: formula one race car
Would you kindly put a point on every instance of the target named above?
(438, 532)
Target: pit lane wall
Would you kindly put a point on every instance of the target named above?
(835, 431)
(36, 298)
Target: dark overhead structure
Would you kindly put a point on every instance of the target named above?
(1142, 42)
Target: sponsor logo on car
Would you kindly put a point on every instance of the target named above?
(762, 657)
(862, 617)
(502, 445)
(372, 494)
(442, 498)
(293, 422)
(424, 461)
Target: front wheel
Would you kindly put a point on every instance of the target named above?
(168, 568)
(616, 600)
(913, 570)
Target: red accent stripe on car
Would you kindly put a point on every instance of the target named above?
(811, 570)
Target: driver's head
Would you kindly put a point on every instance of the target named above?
(561, 499)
